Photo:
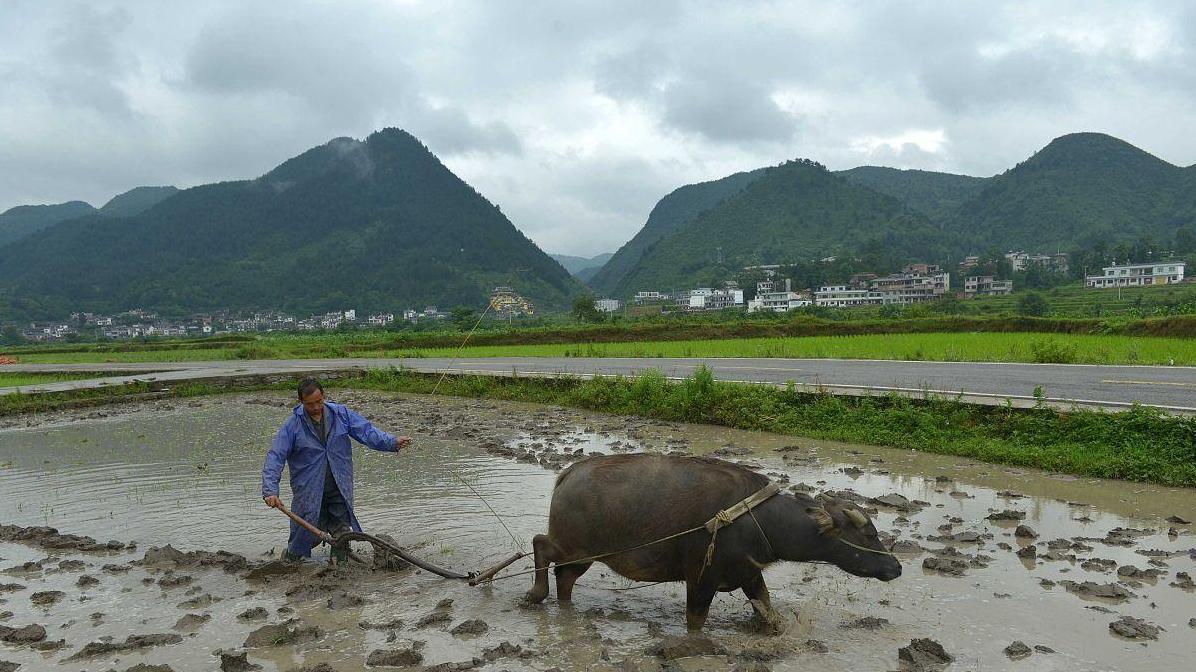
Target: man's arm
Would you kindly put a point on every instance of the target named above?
(280, 449)
(365, 432)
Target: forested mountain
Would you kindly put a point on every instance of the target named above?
(577, 264)
(135, 201)
(379, 224)
(936, 195)
(671, 213)
(795, 211)
(18, 222)
(1079, 189)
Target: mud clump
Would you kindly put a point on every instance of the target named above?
(253, 614)
(1183, 580)
(1024, 531)
(672, 648)
(169, 556)
(1109, 591)
(394, 658)
(473, 626)
(191, 621)
(87, 581)
(923, 654)
(1007, 514)
(6, 666)
(1017, 650)
(235, 661)
(29, 634)
(46, 598)
(948, 566)
(1135, 628)
(277, 634)
(51, 539)
(131, 643)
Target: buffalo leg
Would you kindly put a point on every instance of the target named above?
(545, 553)
(566, 576)
(757, 593)
(698, 597)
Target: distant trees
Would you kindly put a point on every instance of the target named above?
(11, 335)
(584, 310)
(1032, 304)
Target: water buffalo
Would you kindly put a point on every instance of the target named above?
(614, 502)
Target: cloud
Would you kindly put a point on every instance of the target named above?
(577, 117)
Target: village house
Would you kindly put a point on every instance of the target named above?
(986, 285)
(1138, 275)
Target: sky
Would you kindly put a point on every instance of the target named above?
(577, 117)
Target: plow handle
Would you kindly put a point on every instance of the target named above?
(489, 573)
(320, 534)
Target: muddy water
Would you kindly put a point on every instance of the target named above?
(187, 475)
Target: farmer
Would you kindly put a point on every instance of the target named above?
(314, 442)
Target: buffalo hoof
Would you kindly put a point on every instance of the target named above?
(534, 596)
(766, 620)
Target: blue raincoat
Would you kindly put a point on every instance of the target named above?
(296, 445)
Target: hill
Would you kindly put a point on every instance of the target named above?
(671, 213)
(379, 224)
(793, 212)
(135, 201)
(18, 222)
(936, 195)
(576, 265)
(1080, 189)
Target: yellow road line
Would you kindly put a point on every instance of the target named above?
(1148, 382)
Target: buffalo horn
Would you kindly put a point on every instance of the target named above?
(821, 518)
(858, 519)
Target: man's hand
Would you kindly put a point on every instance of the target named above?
(402, 442)
(273, 502)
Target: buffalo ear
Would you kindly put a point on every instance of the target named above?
(858, 519)
(821, 518)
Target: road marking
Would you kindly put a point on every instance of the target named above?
(1148, 382)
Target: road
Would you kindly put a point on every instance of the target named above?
(1110, 387)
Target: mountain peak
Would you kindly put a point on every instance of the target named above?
(1079, 150)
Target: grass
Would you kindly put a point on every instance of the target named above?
(1067, 348)
(11, 379)
(1141, 444)
(972, 347)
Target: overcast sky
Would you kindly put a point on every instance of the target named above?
(576, 117)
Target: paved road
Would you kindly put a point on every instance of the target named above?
(1111, 387)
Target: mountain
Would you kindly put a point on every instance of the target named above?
(577, 264)
(672, 212)
(936, 195)
(792, 212)
(379, 224)
(18, 222)
(135, 201)
(1080, 189)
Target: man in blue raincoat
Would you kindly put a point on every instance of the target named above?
(314, 443)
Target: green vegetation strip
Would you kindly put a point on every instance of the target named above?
(1141, 444)
(981, 347)
(10, 379)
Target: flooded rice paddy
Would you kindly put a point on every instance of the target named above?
(187, 474)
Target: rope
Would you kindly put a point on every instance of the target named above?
(600, 556)
(518, 544)
(869, 550)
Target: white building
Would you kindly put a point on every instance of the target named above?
(705, 298)
(1138, 275)
(650, 297)
(381, 320)
(845, 296)
(986, 285)
(777, 296)
(608, 305)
